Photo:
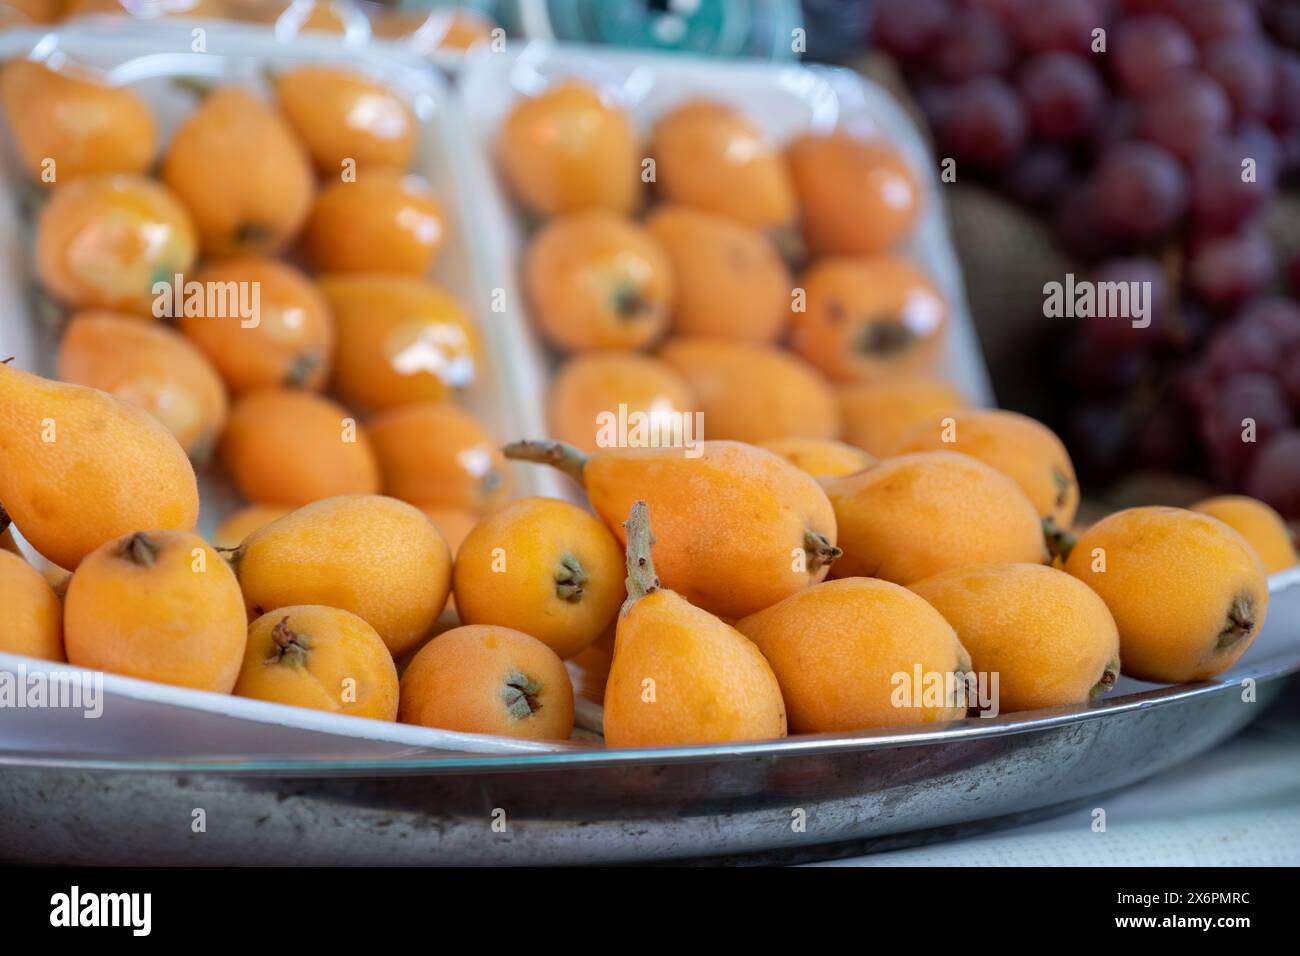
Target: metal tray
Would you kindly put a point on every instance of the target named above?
(629, 805)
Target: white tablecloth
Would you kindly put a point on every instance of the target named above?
(1238, 805)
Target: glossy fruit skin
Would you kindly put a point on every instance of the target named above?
(1261, 526)
(72, 117)
(598, 281)
(876, 417)
(242, 174)
(400, 339)
(377, 557)
(232, 532)
(709, 156)
(288, 447)
(110, 469)
(1023, 449)
(753, 393)
(592, 384)
(735, 507)
(334, 662)
(866, 320)
(177, 618)
(543, 563)
(836, 647)
(385, 221)
(104, 240)
(292, 342)
(1048, 636)
(918, 515)
(1171, 580)
(710, 684)
(460, 679)
(567, 150)
(856, 197)
(33, 614)
(432, 453)
(820, 457)
(150, 366)
(343, 115)
(730, 280)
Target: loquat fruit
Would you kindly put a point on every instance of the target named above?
(545, 564)
(484, 679)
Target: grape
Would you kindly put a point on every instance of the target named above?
(1243, 66)
(1280, 316)
(972, 44)
(1121, 122)
(908, 29)
(1078, 226)
(1210, 20)
(1221, 198)
(985, 122)
(1249, 398)
(1007, 12)
(1241, 349)
(1150, 50)
(1117, 333)
(1257, 142)
(1187, 115)
(1227, 270)
(1040, 176)
(1059, 25)
(1141, 190)
(1275, 477)
(1063, 95)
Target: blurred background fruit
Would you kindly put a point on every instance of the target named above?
(1126, 142)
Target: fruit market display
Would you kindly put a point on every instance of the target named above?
(842, 520)
(1159, 137)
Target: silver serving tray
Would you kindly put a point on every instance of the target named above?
(629, 805)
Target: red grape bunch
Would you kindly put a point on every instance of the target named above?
(1156, 135)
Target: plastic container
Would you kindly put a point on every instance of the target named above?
(782, 100)
(143, 717)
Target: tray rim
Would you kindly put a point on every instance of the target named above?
(1274, 668)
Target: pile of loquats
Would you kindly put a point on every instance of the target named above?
(849, 520)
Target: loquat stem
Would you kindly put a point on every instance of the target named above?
(557, 454)
(1108, 678)
(641, 578)
(521, 695)
(1060, 541)
(291, 647)
(5, 520)
(1240, 622)
(139, 549)
(818, 550)
(569, 579)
